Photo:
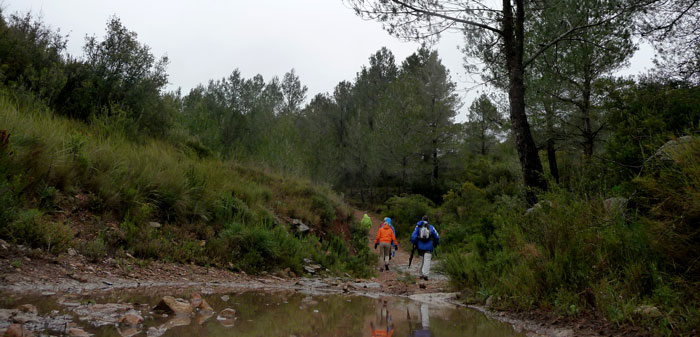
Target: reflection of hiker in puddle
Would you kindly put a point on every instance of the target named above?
(385, 325)
(424, 330)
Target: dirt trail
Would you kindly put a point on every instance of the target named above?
(401, 279)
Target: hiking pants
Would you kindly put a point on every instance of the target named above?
(384, 253)
(425, 264)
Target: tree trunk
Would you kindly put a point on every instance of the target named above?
(530, 163)
(588, 136)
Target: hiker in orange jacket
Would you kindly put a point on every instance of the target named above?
(385, 236)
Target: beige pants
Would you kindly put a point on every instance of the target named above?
(384, 253)
(425, 264)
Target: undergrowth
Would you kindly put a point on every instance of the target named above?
(213, 212)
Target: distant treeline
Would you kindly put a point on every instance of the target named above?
(389, 131)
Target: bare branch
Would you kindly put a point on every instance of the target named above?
(447, 17)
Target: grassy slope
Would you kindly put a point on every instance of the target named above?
(212, 211)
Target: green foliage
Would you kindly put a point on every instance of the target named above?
(670, 193)
(31, 56)
(213, 212)
(31, 229)
(405, 211)
(94, 250)
(644, 116)
(573, 255)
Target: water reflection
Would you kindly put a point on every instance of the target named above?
(385, 324)
(290, 314)
(424, 329)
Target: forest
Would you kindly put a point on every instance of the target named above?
(566, 188)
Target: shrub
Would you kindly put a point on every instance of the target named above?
(406, 210)
(31, 229)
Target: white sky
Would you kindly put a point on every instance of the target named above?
(324, 41)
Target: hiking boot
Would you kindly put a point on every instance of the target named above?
(381, 269)
(386, 266)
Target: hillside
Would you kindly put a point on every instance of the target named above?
(66, 184)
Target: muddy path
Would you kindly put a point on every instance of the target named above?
(26, 272)
(402, 279)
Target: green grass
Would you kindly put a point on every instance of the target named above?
(212, 211)
(572, 255)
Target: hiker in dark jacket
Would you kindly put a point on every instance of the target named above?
(426, 238)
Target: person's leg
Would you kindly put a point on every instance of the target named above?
(425, 265)
(380, 263)
(385, 248)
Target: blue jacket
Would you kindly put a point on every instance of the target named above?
(427, 245)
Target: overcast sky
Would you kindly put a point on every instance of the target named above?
(324, 41)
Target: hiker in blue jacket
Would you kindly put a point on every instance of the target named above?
(425, 238)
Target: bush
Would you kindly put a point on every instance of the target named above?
(31, 229)
(406, 210)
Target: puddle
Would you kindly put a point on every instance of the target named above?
(258, 314)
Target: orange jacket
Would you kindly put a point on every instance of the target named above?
(385, 234)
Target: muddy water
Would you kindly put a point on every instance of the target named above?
(268, 314)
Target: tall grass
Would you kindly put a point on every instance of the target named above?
(221, 203)
(571, 254)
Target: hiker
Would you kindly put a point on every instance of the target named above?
(385, 240)
(366, 222)
(388, 221)
(425, 238)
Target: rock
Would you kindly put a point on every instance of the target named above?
(72, 252)
(4, 245)
(564, 333)
(199, 303)
(196, 300)
(538, 206)
(155, 332)
(489, 302)
(309, 269)
(672, 147)
(227, 313)
(25, 318)
(174, 305)
(28, 308)
(225, 298)
(107, 283)
(154, 224)
(303, 228)
(102, 314)
(17, 330)
(308, 260)
(615, 205)
(128, 331)
(648, 310)
(203, 316)
(204, 306)
(131, 318)
(227, 322)
(76, 332)
(78, 277)
(176, 321)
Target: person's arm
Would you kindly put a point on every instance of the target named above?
(436, 237)
(376, 241)
(393, 237)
